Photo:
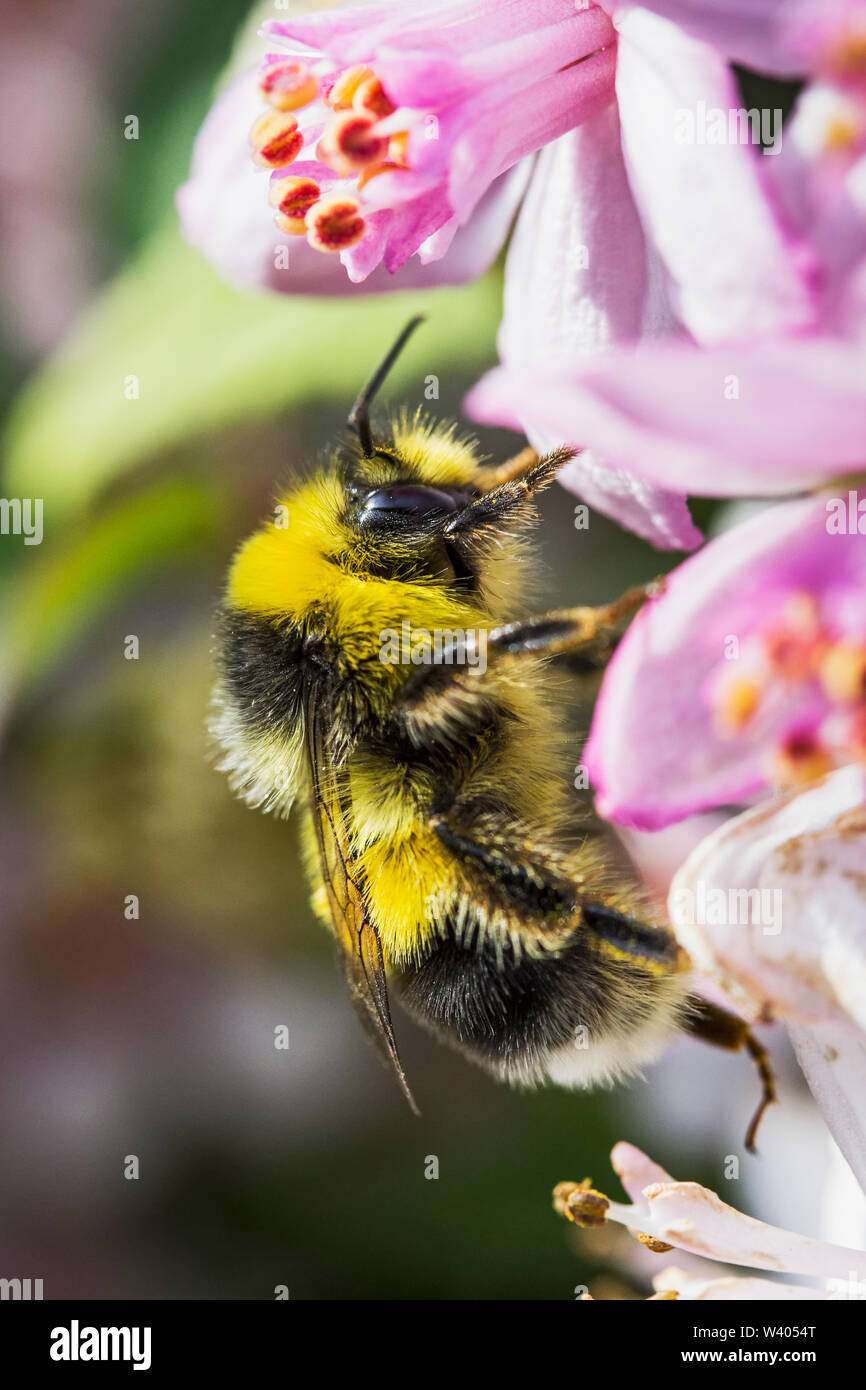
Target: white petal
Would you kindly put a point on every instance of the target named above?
(773, 903)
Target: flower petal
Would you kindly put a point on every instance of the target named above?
(737, 272)
(224, 212)
(748, 31)
(655, 752)
(751, 419)
(579, 277)
(833, 1060)
(733, 1287)
(694, 1218)
(773, 903)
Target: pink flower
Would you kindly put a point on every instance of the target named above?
(747, 673)
(390, 130)
(385, 125)
(755, 382)
(224, 211)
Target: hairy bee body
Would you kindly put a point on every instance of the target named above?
(438, 784)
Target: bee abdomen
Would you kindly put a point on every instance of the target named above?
(561, 1015)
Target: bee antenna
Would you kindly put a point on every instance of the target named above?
(359, 416)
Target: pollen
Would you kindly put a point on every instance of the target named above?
(288, 85)
(276, 139)
(398, 148)
(292, 197)
(370, 96)
(842, 134)
(846, 57)
(342, 92)
(349, 143)
(335, 223)
(739, 701)
(843, 673)
(373, 170)
(799, 760)
(581, 1203)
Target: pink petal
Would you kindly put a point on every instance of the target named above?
(654, 753)
(635, 1171)
(747, 31)
(579, 277)
(737, 272)
(749, 419)
(355, 33)
(224, 212)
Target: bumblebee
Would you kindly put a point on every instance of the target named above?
(373, 668)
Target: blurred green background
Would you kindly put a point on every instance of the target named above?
(154, 1036)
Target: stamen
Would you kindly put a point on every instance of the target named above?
(843, 673)
(335, 223)
(581, 1203)
(800, 759)
(348, 143)
(373, 170)
(293, 197)
(846, 57)
(288, 85)
(370, 96)
(343, 90)
(739, 700)
(275, 139)
(398, 148)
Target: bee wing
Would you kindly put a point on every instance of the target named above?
(356, 935)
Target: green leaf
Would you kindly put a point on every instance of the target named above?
(206, 356)
(55, 595)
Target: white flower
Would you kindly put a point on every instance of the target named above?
(665, 1213)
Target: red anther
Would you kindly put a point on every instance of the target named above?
(275, 139)
(335, 223)
(292, 197)
(370, 96)
(288, 85)
(348, 143)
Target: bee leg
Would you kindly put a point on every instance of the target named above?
(567, 630)
(583, 632)
(491, 477)
(714, 1025)
(507, 497)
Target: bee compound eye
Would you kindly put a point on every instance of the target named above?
(409, 501)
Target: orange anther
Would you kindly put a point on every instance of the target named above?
(843, 672)
(801, 759)
(348, 143)
(335, 223)
(739, 700)
(288, 85)
(370, 96)
(293, 197)
(342, 92)
(275, 139)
